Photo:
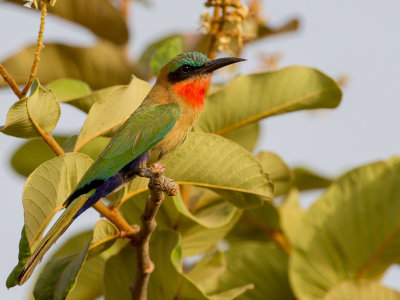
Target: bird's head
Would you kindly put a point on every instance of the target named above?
(189, 74)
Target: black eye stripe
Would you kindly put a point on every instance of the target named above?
(182, 73)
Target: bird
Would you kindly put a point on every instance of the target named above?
(157, 127)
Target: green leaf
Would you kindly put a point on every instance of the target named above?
(142, 67)
(350, 233)
(89, 283)
(221, 166)
(106, 116)
(40, 109)
(365, 290)
(205, 273)
(246, 136)
(31, 154)
(167, 51)
(249, 98)
(100, 16)
(47, 188)
(59, 276)
(305, 179)
(100, 66)
(258, 263)
(197, 239)
(23, 256)
(67, 89)
(104, 235)
(281, 175)
(84, 103)
(291, 214)
(261, 224)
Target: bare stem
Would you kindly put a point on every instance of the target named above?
(158, 185)
(39, 46)
(10, 81)
(217, 27)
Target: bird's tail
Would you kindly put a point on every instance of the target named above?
(62, 224)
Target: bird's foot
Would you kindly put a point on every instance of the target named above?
(158, 182)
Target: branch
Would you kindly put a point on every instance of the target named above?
(10, 81)
(158, 185)
(39, 46)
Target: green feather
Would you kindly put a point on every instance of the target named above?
(144, 128)
(195, 59)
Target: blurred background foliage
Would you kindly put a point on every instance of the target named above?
(237, 229)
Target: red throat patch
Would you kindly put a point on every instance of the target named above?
(193, 91)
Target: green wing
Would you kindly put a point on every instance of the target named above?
(144, 128)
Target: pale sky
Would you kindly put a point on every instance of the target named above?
(359, 39)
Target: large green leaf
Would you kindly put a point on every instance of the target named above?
(59, 276)
(40, 109)
(210, 161)
(47, 188)
(106, 116)
(100, 66)
(249, 98)
(213, 162)
(100, 16)
(350, 233)
(364, 290)
(258, 263)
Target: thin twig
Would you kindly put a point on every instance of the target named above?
(39, 46)
(10, 81)
(158, 185)
(217, 27)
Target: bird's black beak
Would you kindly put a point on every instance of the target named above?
(218, 63)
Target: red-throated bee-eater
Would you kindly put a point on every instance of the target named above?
(157, 127)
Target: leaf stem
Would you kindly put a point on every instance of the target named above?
(10, 81)
(39, 46)
(158, 185)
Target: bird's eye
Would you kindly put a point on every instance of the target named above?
(185, 68)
